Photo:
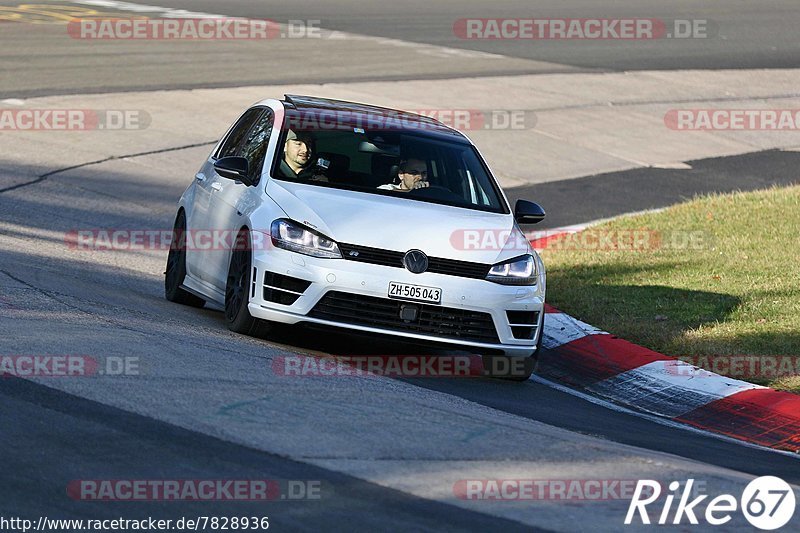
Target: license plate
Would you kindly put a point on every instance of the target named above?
(415, 293)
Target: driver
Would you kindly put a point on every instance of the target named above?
(412, 174)
(297, 156)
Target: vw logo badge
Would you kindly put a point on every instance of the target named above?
(415, 261)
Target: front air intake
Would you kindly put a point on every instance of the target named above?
(523, 324)
(284, 290)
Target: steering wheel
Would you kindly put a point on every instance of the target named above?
(435, 192)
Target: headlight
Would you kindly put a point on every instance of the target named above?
(518, 271)
(292, 236)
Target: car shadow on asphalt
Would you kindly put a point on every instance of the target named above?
(82, 285)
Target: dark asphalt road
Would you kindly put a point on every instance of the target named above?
(41, 59)
(580, 200)
(50, 438)
(742, 34)
(56, 437)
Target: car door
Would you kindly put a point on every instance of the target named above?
(202, 221)
(230, 198)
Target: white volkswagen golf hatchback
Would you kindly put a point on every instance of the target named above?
(363, 218)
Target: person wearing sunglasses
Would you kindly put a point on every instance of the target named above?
(412, 174)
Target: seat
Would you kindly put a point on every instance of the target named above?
(384, 169)
(338, 171)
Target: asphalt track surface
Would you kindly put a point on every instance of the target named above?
(66, 435)
(744, 35)
(50, 436)
(603, 196)
(409, 40)
(87, 305)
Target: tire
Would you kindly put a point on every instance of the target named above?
(512, 368)
(237, 291)
(175, 272)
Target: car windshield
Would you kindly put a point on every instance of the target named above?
(407, 162)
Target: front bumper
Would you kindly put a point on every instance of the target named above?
(355, 278)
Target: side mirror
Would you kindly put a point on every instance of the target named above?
(526, 212)
(234, 168)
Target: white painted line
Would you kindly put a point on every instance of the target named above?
(669, 388)
(166, 12)
(543, 234)
(672, 166)
(421, 48)
(560, 328)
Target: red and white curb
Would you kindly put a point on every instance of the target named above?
(541, 239)
(582, 357)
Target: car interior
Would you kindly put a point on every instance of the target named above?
(365, 161)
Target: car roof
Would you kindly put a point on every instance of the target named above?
(345, 110)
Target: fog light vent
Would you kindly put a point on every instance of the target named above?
(523, 324)
(284, 290)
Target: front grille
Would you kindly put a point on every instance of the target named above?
(463, 269)
(385, 314)
(282, 289)
(449, 267)
(375, 256)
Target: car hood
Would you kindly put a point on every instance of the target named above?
(399, 224)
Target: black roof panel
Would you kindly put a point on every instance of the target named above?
(370, 116)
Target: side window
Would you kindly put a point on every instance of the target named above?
(254, 148)
(234, 140)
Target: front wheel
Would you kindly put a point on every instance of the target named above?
(176, 267)
(237, 291)
(514, 368)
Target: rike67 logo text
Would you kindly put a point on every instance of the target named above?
(767, 503)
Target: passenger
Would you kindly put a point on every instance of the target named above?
(297, 156)
(412, 174)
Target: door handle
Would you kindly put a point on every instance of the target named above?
(217, 186)
(200, 176)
